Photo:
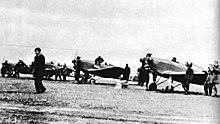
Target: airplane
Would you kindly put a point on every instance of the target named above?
(174, 71)
(103, 70)
(8, 68)
(23, 68)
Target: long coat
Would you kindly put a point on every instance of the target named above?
(39, 65)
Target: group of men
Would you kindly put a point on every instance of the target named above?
(212, 79)
(144, 70)
(60, 71)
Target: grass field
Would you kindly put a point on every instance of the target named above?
(67, 102)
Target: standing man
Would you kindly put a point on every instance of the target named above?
(147, 62)
(77, 66)
(143, 77)
(126, 73)
(64, 71)
(209, 81)
(39, 70)
(4, 68)
(188, 77)
(58, 71)
(216, 72)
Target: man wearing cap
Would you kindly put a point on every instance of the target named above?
(39, 70)
(77, 66)
(188, 77)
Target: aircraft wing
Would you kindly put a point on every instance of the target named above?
(198, 77)
(178, 73)
(110, 72)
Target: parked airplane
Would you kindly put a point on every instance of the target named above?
(8, 69)
(13, 69)
(174, 71)
(102, 70)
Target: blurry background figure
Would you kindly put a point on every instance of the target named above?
(99, 60)
(143, 77)
(64, 71)
(126, 73)
(58, 71)
(4, 68)
(188, 77)
(78, 67)
(174, 60)
(216, 72)
(209, 81)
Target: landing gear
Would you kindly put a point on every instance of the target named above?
(169, 89)
(153, 87)
(92, 81)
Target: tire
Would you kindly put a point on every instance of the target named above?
(153, 87)
(92, 81)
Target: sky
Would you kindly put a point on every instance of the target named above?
(121, 31)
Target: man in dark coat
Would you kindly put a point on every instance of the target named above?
(209, 81)
(216, 72)
(99, 60)
(78, 67)
(4, 67)
(39, 70)
(188, 77)
(126, 73)
(64, 72)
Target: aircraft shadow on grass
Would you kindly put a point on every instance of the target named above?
(182, 92)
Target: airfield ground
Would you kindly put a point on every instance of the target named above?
(67, 102)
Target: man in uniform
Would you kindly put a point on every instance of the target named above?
(4, 68)
(58, 71)
(174, 60)
(209, 81)
(216, 72)
(188, 77)
(146, 62)
(126, 73)
(77, 66)
(143, 77)
(99, 60)
(64, 71)
(39, 70)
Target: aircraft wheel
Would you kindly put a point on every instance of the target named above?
(153, 86)
(92, 81)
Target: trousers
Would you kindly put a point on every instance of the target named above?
(38, 84)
